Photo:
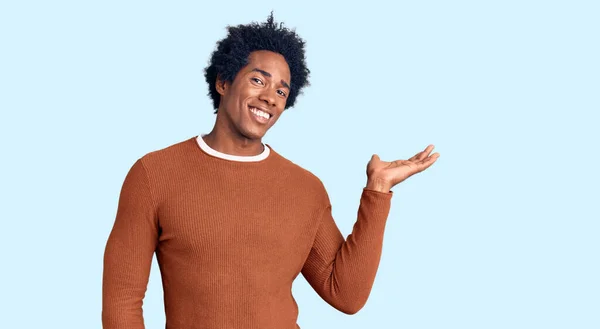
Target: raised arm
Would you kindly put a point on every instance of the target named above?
(342, 271)
(128, 253)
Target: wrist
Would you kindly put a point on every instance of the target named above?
(378, 184)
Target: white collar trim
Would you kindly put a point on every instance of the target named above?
(241, 158)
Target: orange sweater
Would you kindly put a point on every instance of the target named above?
(230, 238)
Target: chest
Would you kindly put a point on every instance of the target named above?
(238, 224)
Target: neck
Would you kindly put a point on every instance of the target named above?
(232, 143)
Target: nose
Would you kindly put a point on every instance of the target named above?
(268, 96)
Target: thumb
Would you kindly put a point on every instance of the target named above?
(375, 157)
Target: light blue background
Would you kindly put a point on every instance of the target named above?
(501, 232)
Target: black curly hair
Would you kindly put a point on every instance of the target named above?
(231, 54)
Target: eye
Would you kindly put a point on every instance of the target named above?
(282, 93)
(257, 80)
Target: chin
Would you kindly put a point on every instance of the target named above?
(253, 133)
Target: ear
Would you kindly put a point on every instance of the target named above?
(221, 86)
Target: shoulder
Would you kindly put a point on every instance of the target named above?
(174, 157)
(301, 178)
(168, 154)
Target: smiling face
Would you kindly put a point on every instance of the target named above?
(253, 102)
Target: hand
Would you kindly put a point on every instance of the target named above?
(383, 175)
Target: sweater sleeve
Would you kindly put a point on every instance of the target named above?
(128, 253)
(342, 271)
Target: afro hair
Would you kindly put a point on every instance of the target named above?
(232, 52)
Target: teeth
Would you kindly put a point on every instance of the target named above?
(259, 112)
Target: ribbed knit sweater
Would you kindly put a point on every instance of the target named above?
(230, 237)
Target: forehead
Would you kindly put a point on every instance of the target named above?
(271, 62)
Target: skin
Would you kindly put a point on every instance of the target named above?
(383, 175)
(265, 82)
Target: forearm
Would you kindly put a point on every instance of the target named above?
(123, 287)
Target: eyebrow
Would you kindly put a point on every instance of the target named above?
(267, 74)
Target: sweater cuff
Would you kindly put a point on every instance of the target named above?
(388, 194)
(378, 203)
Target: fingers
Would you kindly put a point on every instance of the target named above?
(423, 154)
(426, 152)
(427, 162)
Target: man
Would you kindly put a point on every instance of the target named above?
(232, 222)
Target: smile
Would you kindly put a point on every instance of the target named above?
(260, 116)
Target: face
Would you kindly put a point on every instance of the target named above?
(253, 102)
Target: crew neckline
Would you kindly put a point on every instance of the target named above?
(239, 158)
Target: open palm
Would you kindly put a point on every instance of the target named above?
(396, 171)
